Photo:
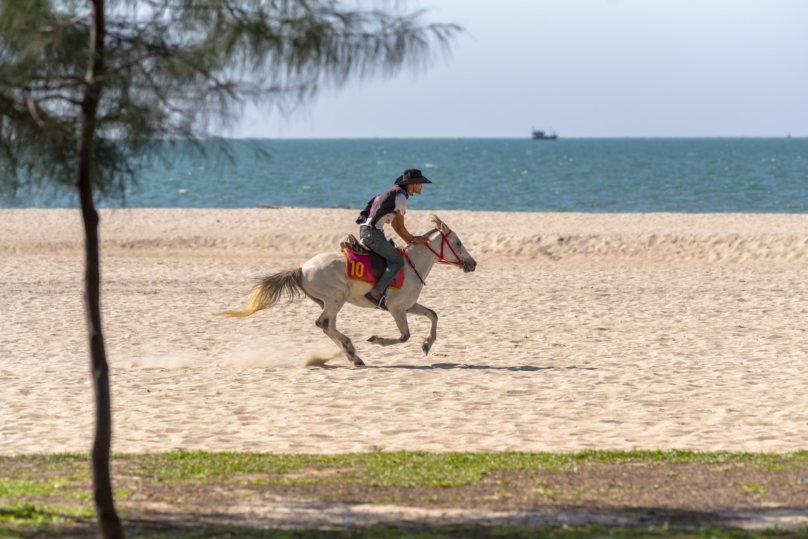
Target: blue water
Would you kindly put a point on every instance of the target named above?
(584, 175)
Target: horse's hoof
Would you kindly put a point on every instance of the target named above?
(358, 363)
(373, 339)
(425, 349)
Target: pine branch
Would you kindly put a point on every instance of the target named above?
(32, 110)
(69, 22)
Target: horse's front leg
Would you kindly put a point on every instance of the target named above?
(420, 310)
(400, 316)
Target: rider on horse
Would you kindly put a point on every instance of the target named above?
(389, 207)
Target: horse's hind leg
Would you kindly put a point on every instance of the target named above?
(328, 323)
(319, 302)
(420, 310)
(401, 321)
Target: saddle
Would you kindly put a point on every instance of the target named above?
(362, 264)
(352, 244)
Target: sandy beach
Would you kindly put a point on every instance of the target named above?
(577, 331)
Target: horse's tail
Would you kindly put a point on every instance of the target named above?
(267, 292)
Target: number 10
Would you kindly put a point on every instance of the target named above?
(357, 268)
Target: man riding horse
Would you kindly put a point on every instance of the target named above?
(389, 207)
(326, 279)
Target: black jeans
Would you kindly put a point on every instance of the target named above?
(374, 240)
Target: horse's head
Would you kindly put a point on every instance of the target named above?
(457, 254)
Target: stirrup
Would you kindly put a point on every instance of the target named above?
(380, 303)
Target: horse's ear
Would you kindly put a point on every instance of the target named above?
(440, 225)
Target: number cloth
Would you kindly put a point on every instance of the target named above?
(358, 268)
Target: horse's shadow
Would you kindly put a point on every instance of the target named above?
(450, 366)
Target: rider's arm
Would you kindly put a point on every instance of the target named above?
(401, 230)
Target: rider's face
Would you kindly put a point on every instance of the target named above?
(416, 188)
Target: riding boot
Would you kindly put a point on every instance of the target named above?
(380, 303)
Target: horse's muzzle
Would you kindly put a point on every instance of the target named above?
(469, 265)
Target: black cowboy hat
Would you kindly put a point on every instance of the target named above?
(411, 176)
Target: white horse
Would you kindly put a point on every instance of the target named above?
(323, 279)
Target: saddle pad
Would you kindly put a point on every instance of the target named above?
(368, 268)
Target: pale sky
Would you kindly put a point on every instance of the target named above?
(586, 68)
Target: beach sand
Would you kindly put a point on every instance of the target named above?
(577, 331)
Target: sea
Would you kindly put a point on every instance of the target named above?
(513, 175)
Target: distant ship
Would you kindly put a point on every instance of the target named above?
(541, 135)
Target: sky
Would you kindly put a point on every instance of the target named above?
(585, 68)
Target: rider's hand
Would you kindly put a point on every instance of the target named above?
(420, 239)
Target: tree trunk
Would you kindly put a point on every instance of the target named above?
(108, 521)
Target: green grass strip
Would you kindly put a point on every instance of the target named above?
(417, 469)
(403, 468)
(28, 514)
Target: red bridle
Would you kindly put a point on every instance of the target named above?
(441, 258)
(445, 241)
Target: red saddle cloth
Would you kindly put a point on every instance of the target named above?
(368, 268)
